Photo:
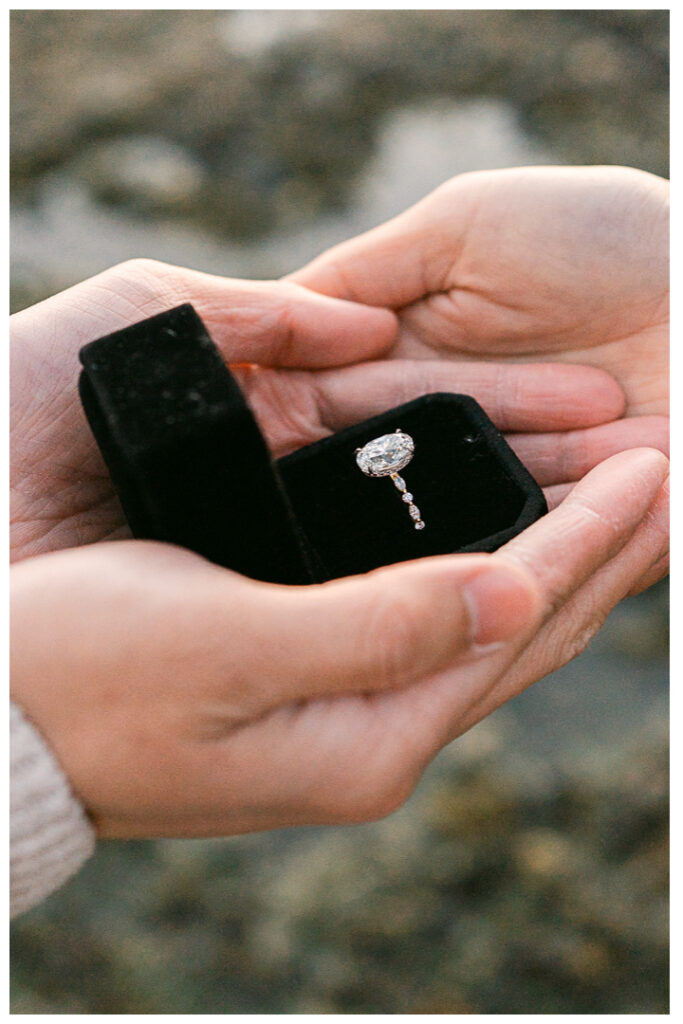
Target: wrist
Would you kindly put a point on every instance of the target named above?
(51, 836)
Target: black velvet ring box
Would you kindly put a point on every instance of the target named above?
(191, 467)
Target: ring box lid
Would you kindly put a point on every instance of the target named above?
(185, 454)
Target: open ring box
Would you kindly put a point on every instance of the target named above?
(191, 467)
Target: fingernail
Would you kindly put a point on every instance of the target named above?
(501, 602)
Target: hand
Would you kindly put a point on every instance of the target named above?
(558, 264)
(61, 492)
(184, 700)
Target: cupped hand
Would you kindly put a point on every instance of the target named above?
(552, 263)
(184, 700)
(287, 346)
(564, 265)
(61, 494)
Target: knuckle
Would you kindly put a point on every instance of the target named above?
(143, 268)
(415, 378)
(276, 318)
(335, 268)
(571, 641)
(659, 434)
(143, 264)
(562, 456)
(657, 516)
(288, 291)
(285, 402)
(580, 640)
(576, 454)
(504, 390)
(391, 634)
(154, 282)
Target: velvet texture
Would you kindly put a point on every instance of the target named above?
(191, 467)
(185, 454)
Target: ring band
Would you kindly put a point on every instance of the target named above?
(386, 456)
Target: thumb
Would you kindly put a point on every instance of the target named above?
(281, 323)
(403, 259)
(273, 323)
(388, 628)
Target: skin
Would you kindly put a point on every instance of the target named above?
(218, 705)
(555, 264)
(61, 493)
(183, 700)
(566, 264)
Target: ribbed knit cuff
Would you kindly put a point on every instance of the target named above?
(50, 834)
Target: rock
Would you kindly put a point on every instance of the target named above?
(145, 172)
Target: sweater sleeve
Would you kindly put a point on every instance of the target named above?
(51, 835)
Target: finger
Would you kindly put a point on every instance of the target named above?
(564, 551)
(493, 225)
(278, 323)
(591, 525)
(517, 396)
(558, 458)
(653, 575)
(268, 322)
(401, 260)
(392, 627)
(567, 633)
(556, 494)
(406, 728)
(382, 631)
(401, 730)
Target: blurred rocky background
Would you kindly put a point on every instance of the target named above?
(528, 874)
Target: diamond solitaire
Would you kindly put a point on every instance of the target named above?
(385, 456)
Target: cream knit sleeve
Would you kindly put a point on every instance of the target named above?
(50, 834)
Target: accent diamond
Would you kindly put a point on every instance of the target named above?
(407, 497)
(386, 455)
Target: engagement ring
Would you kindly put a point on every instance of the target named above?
(386, 456)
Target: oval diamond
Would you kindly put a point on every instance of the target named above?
(386, 455)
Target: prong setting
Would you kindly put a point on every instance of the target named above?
(385, 456)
